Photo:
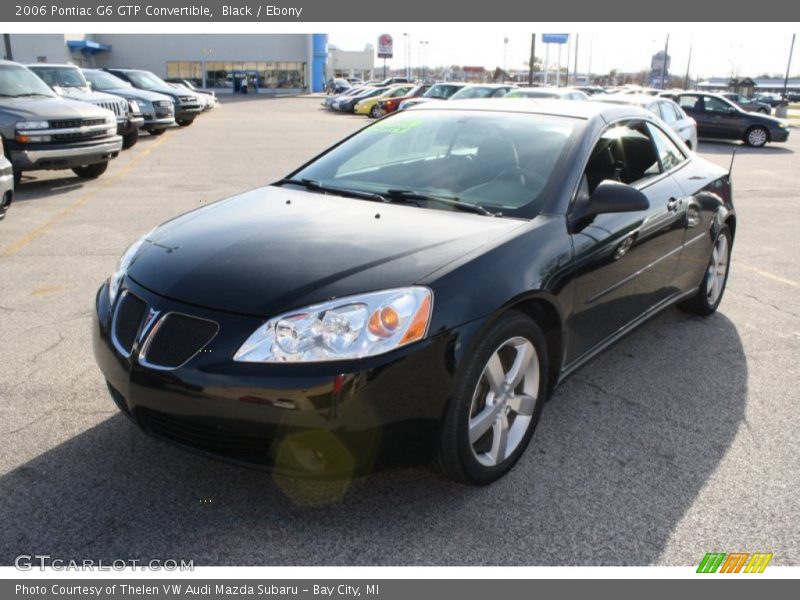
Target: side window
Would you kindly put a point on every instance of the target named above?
(667, 112)
(690, 102)
(669, 153)
(715, 105)
(625, 153)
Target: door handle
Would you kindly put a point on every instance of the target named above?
(673, 204)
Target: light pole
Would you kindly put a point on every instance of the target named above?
(788, 66)
(688, 64)
(423, 50)
(405, 51)
(505, 51)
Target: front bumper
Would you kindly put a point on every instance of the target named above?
(313, 420)
(188, 111)
(6, 185)
(779, 134)
(126, 126)
(55, 156)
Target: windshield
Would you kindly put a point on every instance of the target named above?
(146, 80)
(497, 160)
(475, 92)
(442, 91)
(530, 94)
(101, 80)
(65, 77)
(18, 81)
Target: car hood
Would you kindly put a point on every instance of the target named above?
(37, 109)
(137, 94)
(275, 249)
(86, 95)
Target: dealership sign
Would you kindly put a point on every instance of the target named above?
(385, 46)
(555, 38)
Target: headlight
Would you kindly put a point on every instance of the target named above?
(122, 267)
(24, 125)
(111, 120)
(783, 125)
(342, 329)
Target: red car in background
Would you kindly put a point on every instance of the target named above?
(391, 104)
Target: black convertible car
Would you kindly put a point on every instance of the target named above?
(414, 292)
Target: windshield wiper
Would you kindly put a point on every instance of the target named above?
(315, 186)
(411, 195)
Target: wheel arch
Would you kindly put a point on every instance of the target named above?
(542, 308)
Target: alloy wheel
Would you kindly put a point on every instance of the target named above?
(504, 401)
(717, 270)
(757, 137)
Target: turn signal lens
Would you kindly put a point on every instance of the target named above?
(419, 324)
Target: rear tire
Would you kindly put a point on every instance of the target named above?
(706, 301)
(129, 140)
(91, 171)
(496, 404)
(374, 112)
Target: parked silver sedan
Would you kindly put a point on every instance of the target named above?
(664, 108)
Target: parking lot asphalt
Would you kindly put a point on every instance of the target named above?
(682, 439)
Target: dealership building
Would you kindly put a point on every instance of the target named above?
(270, 63)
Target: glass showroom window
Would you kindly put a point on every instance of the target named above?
(185, 69)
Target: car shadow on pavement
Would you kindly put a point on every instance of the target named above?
(34, 188)
(723, 147)
(624, 448)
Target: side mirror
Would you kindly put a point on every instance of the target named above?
(610, 197)
(731, 110)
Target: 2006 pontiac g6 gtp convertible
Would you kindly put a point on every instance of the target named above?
(415, 291)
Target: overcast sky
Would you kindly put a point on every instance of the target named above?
(717, 49)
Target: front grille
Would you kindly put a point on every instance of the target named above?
(163, 103)
(127, 320)
(119, 108)
(214, 439)
(70, 123)
(78, 136)
(176, 339)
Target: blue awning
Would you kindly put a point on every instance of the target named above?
(87, 47)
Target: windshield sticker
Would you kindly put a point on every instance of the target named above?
(402, 127)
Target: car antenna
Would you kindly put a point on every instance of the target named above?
(730, 169)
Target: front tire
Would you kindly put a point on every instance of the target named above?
(709, 294)
(496, 404)
(184, 122)
(756, 136)
(91, 171)
(129, 140)
(156, 132)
